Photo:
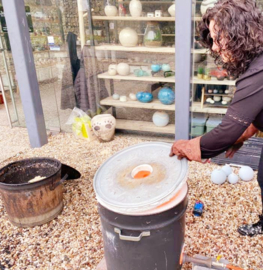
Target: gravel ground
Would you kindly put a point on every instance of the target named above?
(74, 241)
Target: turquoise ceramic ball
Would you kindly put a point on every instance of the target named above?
(166, 96)
(144, 97)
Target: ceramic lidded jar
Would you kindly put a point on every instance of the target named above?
(135, 8)
(153, 35)
(128, 37)
(207, 4)
(110, 10)
(103, 126)
(160, 119)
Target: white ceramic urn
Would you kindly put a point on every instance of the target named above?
(207, 4)
(171, 10)
(128, 37)
(123, 69)
(103, 126)
(110, 10)
(135, 8)
(160, 119)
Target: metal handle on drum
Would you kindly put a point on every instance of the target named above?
(131, 238)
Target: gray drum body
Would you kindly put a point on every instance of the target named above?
(153, 242)
(143, 220)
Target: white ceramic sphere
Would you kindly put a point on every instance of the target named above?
(110, 10)
(224, 102)
(132, 96)
(116, 96)
(227, 169)
(112, 71)
(232, 178)
(128, 37)
(171, 10)
(123, 69)
(160, 119)
(218, 177)
(123, 98)
(246, 173)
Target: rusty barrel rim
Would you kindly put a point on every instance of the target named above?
(46, 180)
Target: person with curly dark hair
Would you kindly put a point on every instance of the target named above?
(233, 32)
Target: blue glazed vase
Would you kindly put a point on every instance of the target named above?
(166, 96)
(144, 97)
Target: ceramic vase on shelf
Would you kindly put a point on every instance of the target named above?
(103, 126)
(171, 10)
(123, 69)
(207, 4)
(128, 37)
(153, 35)
(160, 119)
(135, 8)
(110, 10)
(166, 96)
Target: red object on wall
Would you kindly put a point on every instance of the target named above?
(1, 99)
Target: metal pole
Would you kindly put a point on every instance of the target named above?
(25, 70)
(183, 68)
(9, 80)
(5, 101)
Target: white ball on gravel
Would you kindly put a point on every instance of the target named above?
(246, 173)
(218, 177)
(232, 178)
(227, 169)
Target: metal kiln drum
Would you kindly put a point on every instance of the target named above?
(148, 234)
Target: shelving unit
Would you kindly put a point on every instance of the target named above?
(214, 82)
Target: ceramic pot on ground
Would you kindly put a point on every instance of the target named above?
(103, 126)
(135, 8)
(128, 37)
(171, 10)
(207, 4)
(110, 10)
(160, 119)
(123, 69)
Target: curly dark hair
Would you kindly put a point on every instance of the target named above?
(240, 22)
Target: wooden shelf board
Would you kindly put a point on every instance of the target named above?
(120, 18)
(144, 126)
(214, 81)
(132, 77)
(146, 19)
(196, 107)
(200, 51)
(154, 105)
(135, 49)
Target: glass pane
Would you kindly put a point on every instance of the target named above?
(133, 52)
(212, 87)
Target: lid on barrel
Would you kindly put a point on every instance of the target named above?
(139, 177)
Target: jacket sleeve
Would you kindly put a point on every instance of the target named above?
(246, 105)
